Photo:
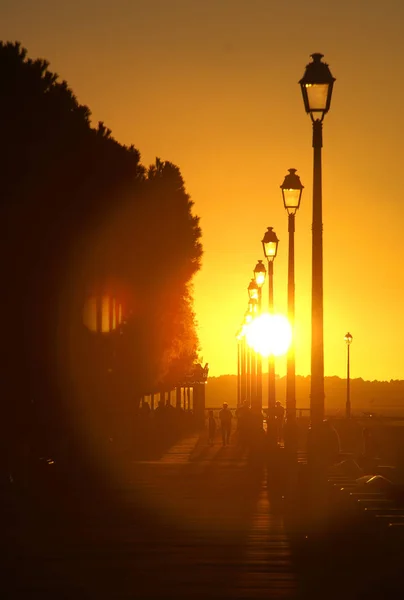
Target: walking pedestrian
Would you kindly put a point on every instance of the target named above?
(225, 417)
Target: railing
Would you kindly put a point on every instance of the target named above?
(301, 413)
(304, 414)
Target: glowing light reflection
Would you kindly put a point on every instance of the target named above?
(269, 334)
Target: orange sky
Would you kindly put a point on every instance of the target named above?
(211, 85)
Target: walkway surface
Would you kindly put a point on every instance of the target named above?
(198, 523)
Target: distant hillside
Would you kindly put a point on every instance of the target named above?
(372, 396)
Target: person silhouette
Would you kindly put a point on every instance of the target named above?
(225, 418)
(211, 427)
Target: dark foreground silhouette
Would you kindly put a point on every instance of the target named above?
(203, 521)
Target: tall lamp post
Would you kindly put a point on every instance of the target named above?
(291, 193)
(246, 356)
(260, 273)
(253, 293)
(316, 85)
(239, 337)
(348, 339)
(270, 246)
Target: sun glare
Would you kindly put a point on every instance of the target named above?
(269, 334)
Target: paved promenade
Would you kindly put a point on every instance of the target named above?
(201, 522)
(196, 523)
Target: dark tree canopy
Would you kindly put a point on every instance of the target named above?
(82, 218)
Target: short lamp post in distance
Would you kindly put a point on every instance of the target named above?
(348, 340)
(260, 273)
(270, 243)
(291, 193)
(316, 86)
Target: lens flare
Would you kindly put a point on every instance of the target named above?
(269, 334)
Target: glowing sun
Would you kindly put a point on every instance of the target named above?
(269, 334)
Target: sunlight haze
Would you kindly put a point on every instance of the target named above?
(212, 86)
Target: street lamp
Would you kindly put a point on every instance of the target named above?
(348, 340)
(260, 273)
(270, 246)
(253, 290)
(317, 85)
(291, 192)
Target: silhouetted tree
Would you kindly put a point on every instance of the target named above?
(82, 217)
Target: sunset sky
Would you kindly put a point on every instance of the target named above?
(211, 85)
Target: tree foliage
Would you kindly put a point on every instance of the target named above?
(81, 215)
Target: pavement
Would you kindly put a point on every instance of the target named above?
(201, 522)
(196, 523)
